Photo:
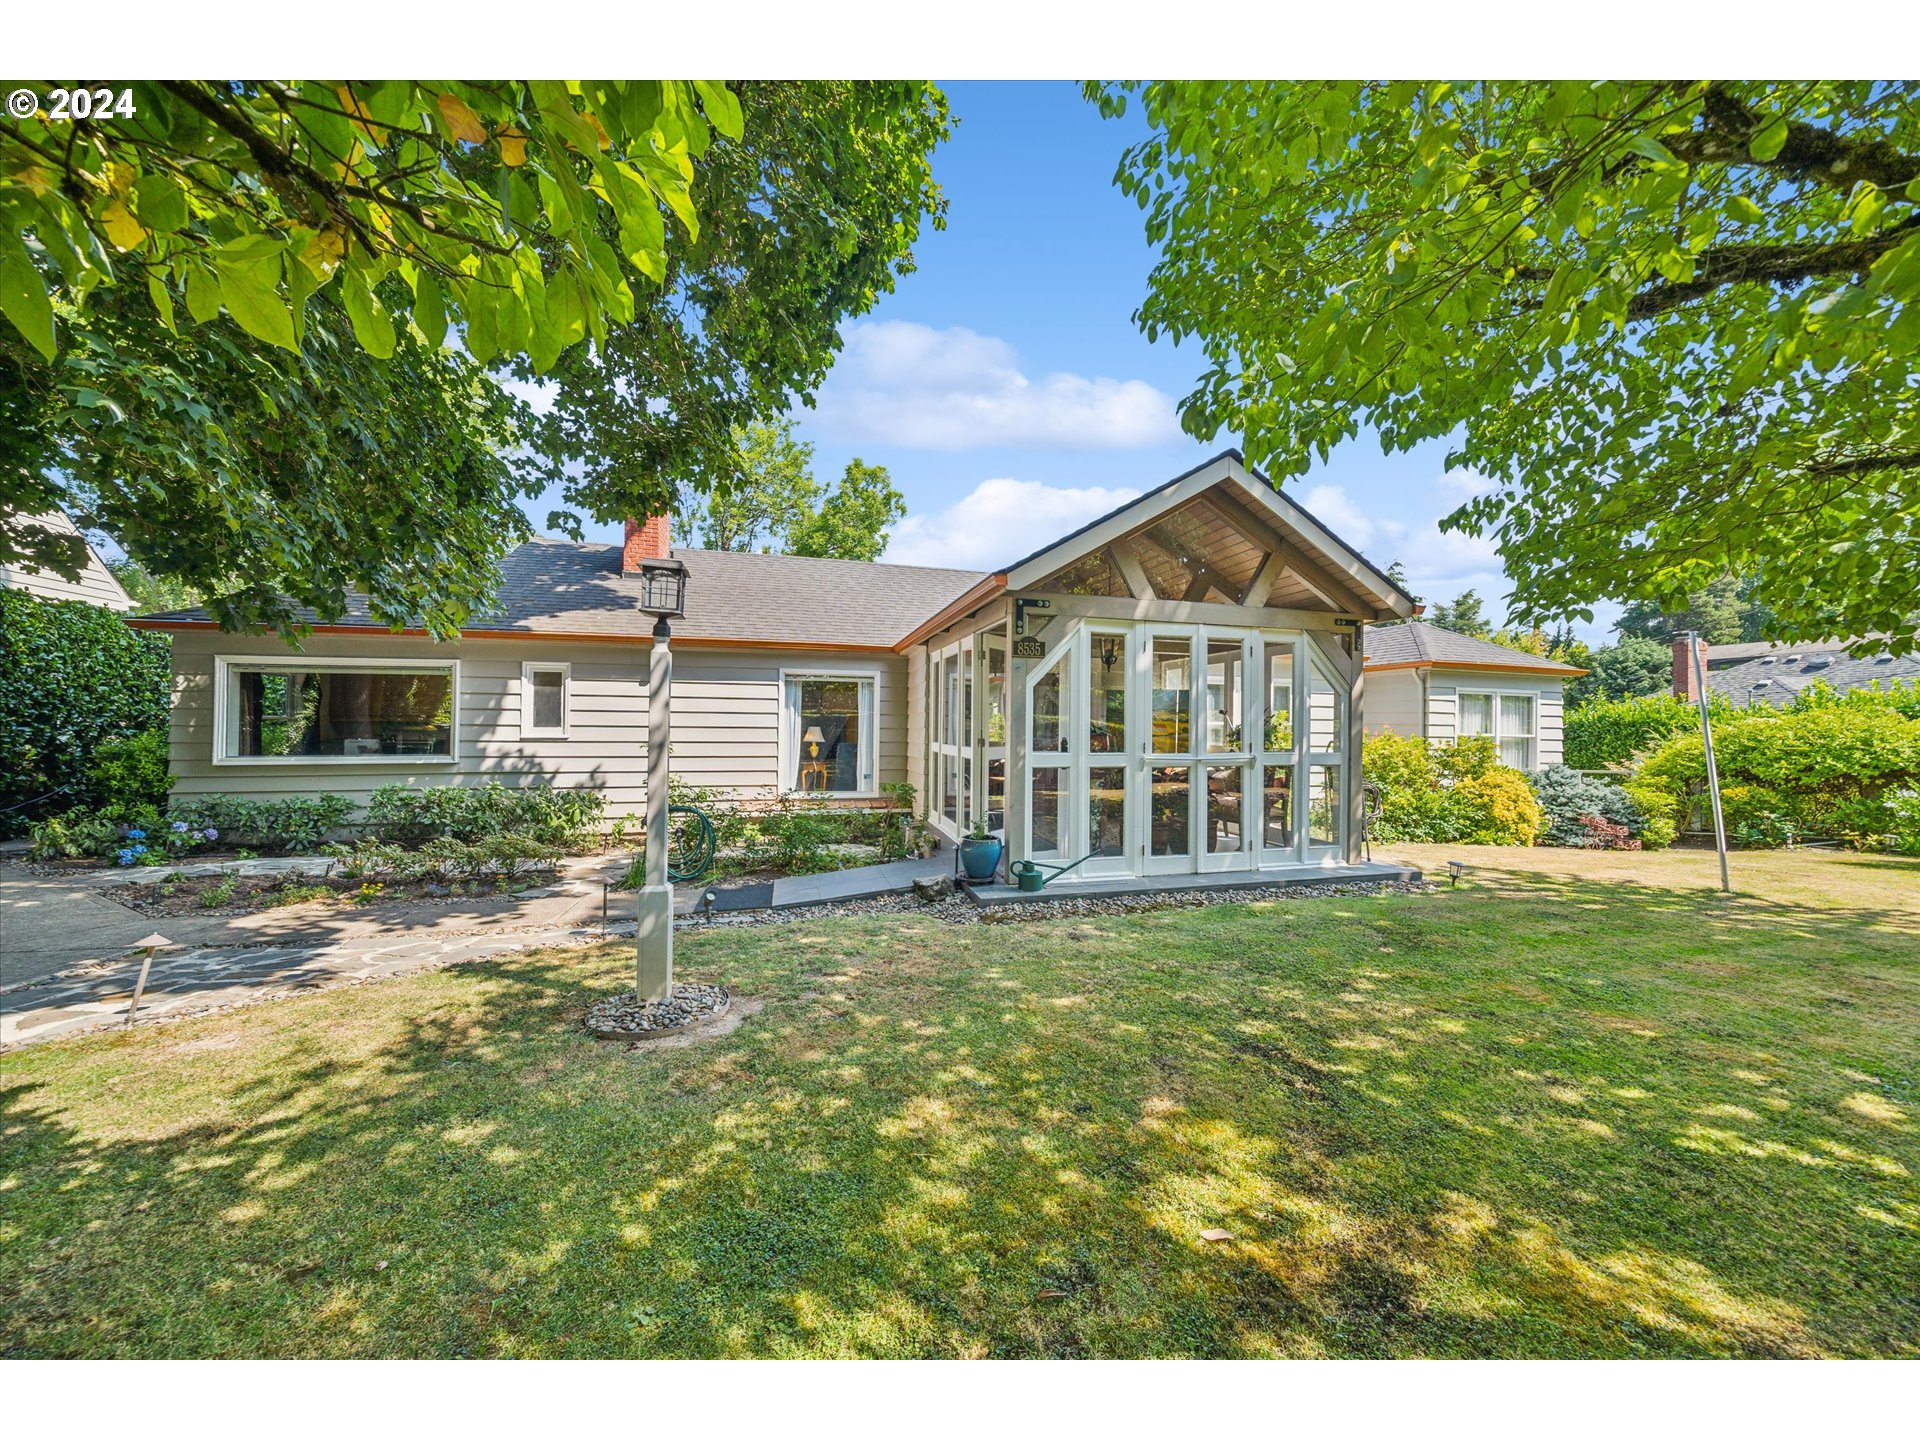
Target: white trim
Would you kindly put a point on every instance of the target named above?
(223, 664)
(869, 758)
(530, 731)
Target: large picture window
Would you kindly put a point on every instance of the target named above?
(346, 711)
(829, 721)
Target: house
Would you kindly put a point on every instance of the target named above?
(1763, 673)
(1438, 684)
(96, 585)
(1176, 687)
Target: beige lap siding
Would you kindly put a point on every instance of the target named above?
(726, 718)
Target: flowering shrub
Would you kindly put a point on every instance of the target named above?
(1438, 793)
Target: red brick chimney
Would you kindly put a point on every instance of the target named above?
(1683, 684)
(646, 540)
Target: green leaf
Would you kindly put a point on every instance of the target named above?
(250, 289)
(1769, 140)
(430, 309)
(1745, 211)
(722, 106)
(162, 299)
(372, 326)
(203, 294)
(160, 203)
(23, 294)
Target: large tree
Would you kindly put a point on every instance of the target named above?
(771, 501)
(1676, 323)
(350, 227)
(808, 221)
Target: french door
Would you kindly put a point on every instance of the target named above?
(1194, 771)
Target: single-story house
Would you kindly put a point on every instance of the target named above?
(1175, 687)
(1763, 673)
(96, 585)
(1423, 680)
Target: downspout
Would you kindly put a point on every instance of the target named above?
(1426, 702)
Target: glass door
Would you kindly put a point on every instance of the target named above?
(1110, 844)
(1223, 839)
(1324, 722)
(1277, 836)
(1170, 787)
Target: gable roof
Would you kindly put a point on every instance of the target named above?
(97, 584)
(561, 588)
(1418, 644)
(1229, 467)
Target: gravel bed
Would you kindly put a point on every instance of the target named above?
(961, 911)
(621, 1017)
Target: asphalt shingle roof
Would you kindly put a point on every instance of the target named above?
(1418, 643)
(1787, 672)
(560, 587)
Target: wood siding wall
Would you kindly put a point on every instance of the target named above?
(726, 718)
(1393, 703)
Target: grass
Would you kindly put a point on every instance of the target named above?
(1580, 1106)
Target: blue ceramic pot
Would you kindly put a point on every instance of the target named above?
(980, 858)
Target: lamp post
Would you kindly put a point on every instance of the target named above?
(663, 595)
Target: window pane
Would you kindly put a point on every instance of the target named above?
(1107, 694)
(347, 713)
(1276, 808)
(1517, 752)
(1326, 709)
(1516, 715)
(1049, 733)
(549, 699)
(1323, 805)
(950, 786)
(1279, 719)
(1170, 666)
(1224, 834)
(966, 695)
(996, 683)
(831, 715)
(1107, 810)
(1049, 809)
(1476, 714)
(1224, 708)
(1167, 810)
(996, 794)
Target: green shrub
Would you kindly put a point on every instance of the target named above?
(410, 815)
(1903, 820)
(1567, 797)
(1821, 769)
(1466, 758)
(294, 823)
(77, 835)
(129, 771)
(1602, 734)
(1497, 807)
(1660, 814)
(71, 676)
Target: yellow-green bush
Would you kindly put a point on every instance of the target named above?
(1497, 807)
(1439, 793)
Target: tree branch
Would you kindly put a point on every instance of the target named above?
(1781, 265)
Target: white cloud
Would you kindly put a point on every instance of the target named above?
(906, 384)
(1440, 563)
(1000, 521)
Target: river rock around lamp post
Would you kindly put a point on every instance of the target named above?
(623, 1017)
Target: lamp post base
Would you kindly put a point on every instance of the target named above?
(653, 973)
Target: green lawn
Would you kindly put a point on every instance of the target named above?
(1580, 1106)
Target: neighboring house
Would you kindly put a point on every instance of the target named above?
(1423, 680)
(96, 585)
(1173, 688)
(1763, 673)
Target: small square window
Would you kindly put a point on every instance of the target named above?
(544, 700)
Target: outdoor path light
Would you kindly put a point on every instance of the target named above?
(663, 595)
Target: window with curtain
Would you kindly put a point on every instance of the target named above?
(830, 734)
(1508, 720)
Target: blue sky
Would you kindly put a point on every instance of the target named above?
(1005, 386)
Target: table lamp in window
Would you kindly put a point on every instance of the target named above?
(814, 739)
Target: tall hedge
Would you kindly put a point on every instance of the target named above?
(71, 675)
(1602, 734)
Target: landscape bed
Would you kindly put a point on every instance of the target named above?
(1579, 1106)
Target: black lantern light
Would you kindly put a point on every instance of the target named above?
(663, 588)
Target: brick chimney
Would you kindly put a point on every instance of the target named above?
(1683, 685)
(646, 540)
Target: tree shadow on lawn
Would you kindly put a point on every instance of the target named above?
(1007, 1140)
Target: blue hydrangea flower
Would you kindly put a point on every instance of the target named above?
(179, 827)
(212, 834)
(136, 834)
(126, 857)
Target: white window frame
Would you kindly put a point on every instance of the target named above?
(223, 665)
(1498, 733)
(790, 731)
(530, 668)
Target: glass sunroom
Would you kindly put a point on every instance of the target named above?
(1174, 690)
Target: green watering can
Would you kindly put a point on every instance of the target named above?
(1033, 878)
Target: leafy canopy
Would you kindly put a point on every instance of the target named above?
(251, 196)
(774, 503)
(1676, 323)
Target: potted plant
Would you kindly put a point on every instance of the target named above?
(980, 853)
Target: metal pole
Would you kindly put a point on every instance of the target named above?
(1713, 771)
(653, 976)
